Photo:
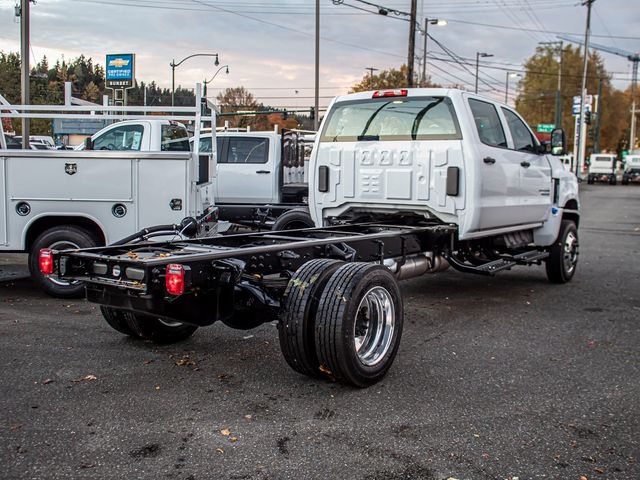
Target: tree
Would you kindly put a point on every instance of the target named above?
(239, 99)
(392, 78)
(536, 98)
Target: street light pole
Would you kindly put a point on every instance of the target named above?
(560, 46)
(583, 91)
(206, 82)
(173, 66)
(427, 21)
(478, 55)
(506, 90)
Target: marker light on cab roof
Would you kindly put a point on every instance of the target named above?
(399, 92)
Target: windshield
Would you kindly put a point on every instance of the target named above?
(414, 118)
(603, 159)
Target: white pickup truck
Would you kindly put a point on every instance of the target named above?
(402, 183)
(134, 174)
(260, 177)
(631, 172)
(602, 167)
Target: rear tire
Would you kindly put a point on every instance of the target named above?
(59, 238)
(297, 318)
(359, 324)
(116, 320)
(157, 330)
(563, 254)
(293, 219)
(625, 181)
(613, 180)
(590, 180)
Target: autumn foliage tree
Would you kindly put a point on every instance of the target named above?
(392, 78)
(537, 95)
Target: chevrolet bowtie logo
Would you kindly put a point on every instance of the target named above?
(118, 62)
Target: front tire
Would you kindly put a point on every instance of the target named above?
(563, 254)
(590, 180)
(292, 220)
(157, 330)
(59, 238)
(359, 324)
(297, 318)
(613, 180)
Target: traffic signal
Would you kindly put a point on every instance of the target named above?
(587, 117)
(285, 114)
(312, 113)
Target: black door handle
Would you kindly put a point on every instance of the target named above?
(263, 171)
(489, 160)
(525, 164)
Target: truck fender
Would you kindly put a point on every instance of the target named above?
(83, 217)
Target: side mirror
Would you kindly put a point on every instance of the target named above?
(88, 143)
(558, 142)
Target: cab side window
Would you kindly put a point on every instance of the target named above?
(246, 150)
(123, 138)
(488, 123)
(522, 138)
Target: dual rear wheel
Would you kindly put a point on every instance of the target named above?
(342, 321)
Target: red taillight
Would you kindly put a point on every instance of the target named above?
(45, 259)
(174, 280)
(401, 92)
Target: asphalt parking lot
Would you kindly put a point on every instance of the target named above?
(495, 379)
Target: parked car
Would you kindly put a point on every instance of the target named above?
(631, 171)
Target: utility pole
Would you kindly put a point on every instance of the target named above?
(412, 41)
(596, 136)
(24, 58)
(317, 93)
(582, 141)
(371, 70)
(558, 121)
(634, 83)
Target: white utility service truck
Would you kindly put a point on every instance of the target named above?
(261, 177)
(135, 173)
(602, 168)
(401, 183)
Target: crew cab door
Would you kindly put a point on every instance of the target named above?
(534, 171)
(246, 170)
(499, 170)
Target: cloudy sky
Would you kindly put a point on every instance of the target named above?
(269, 45)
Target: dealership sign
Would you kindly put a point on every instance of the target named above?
(121, 70)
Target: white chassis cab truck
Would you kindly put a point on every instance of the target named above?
(602, 168)
(402, 183)
(135, 174)
(260, 177)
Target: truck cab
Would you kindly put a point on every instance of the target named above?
(602, 167)
(141, 136)
(260, 177)
(437, 153)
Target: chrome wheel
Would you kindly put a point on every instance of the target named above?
(570, 254)
(374, 326)
(63, 245)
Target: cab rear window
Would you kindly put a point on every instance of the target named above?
(392, 118)
(175, 138)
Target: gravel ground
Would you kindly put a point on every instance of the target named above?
(495, 379)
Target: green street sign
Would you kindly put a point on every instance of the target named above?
(625, 153)
(546, 127)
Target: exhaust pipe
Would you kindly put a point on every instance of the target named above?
(417, 265)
